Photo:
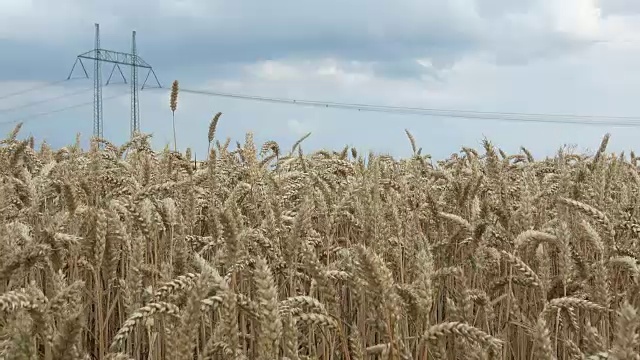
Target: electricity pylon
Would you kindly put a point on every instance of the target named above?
(100, 56)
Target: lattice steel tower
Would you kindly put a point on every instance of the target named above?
(98, 124)
(135, 101)
(99, 56)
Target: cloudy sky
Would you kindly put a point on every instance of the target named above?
(532, 56)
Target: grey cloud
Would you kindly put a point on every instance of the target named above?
(494, 9)
(190, 52)
(220, 58)
(617, 7)
(405, 69)
(29, 61)
(440, 31)
(196, 33)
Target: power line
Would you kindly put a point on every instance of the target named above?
(435, 111)
(463, 114)
(33, 103)
(31, 117)
(513, 116)
(42, 86)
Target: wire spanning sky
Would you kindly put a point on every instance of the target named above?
(510, 117)
(533, 56)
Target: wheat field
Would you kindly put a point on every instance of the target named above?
(120, 252)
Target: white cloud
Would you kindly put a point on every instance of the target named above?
(581, 18)
(17, 7)
(300, 128)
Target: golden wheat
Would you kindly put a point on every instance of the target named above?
(258, 253)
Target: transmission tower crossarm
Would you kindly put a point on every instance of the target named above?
(112, 71)
(74, 66)
(115, 57)
(147, 78)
